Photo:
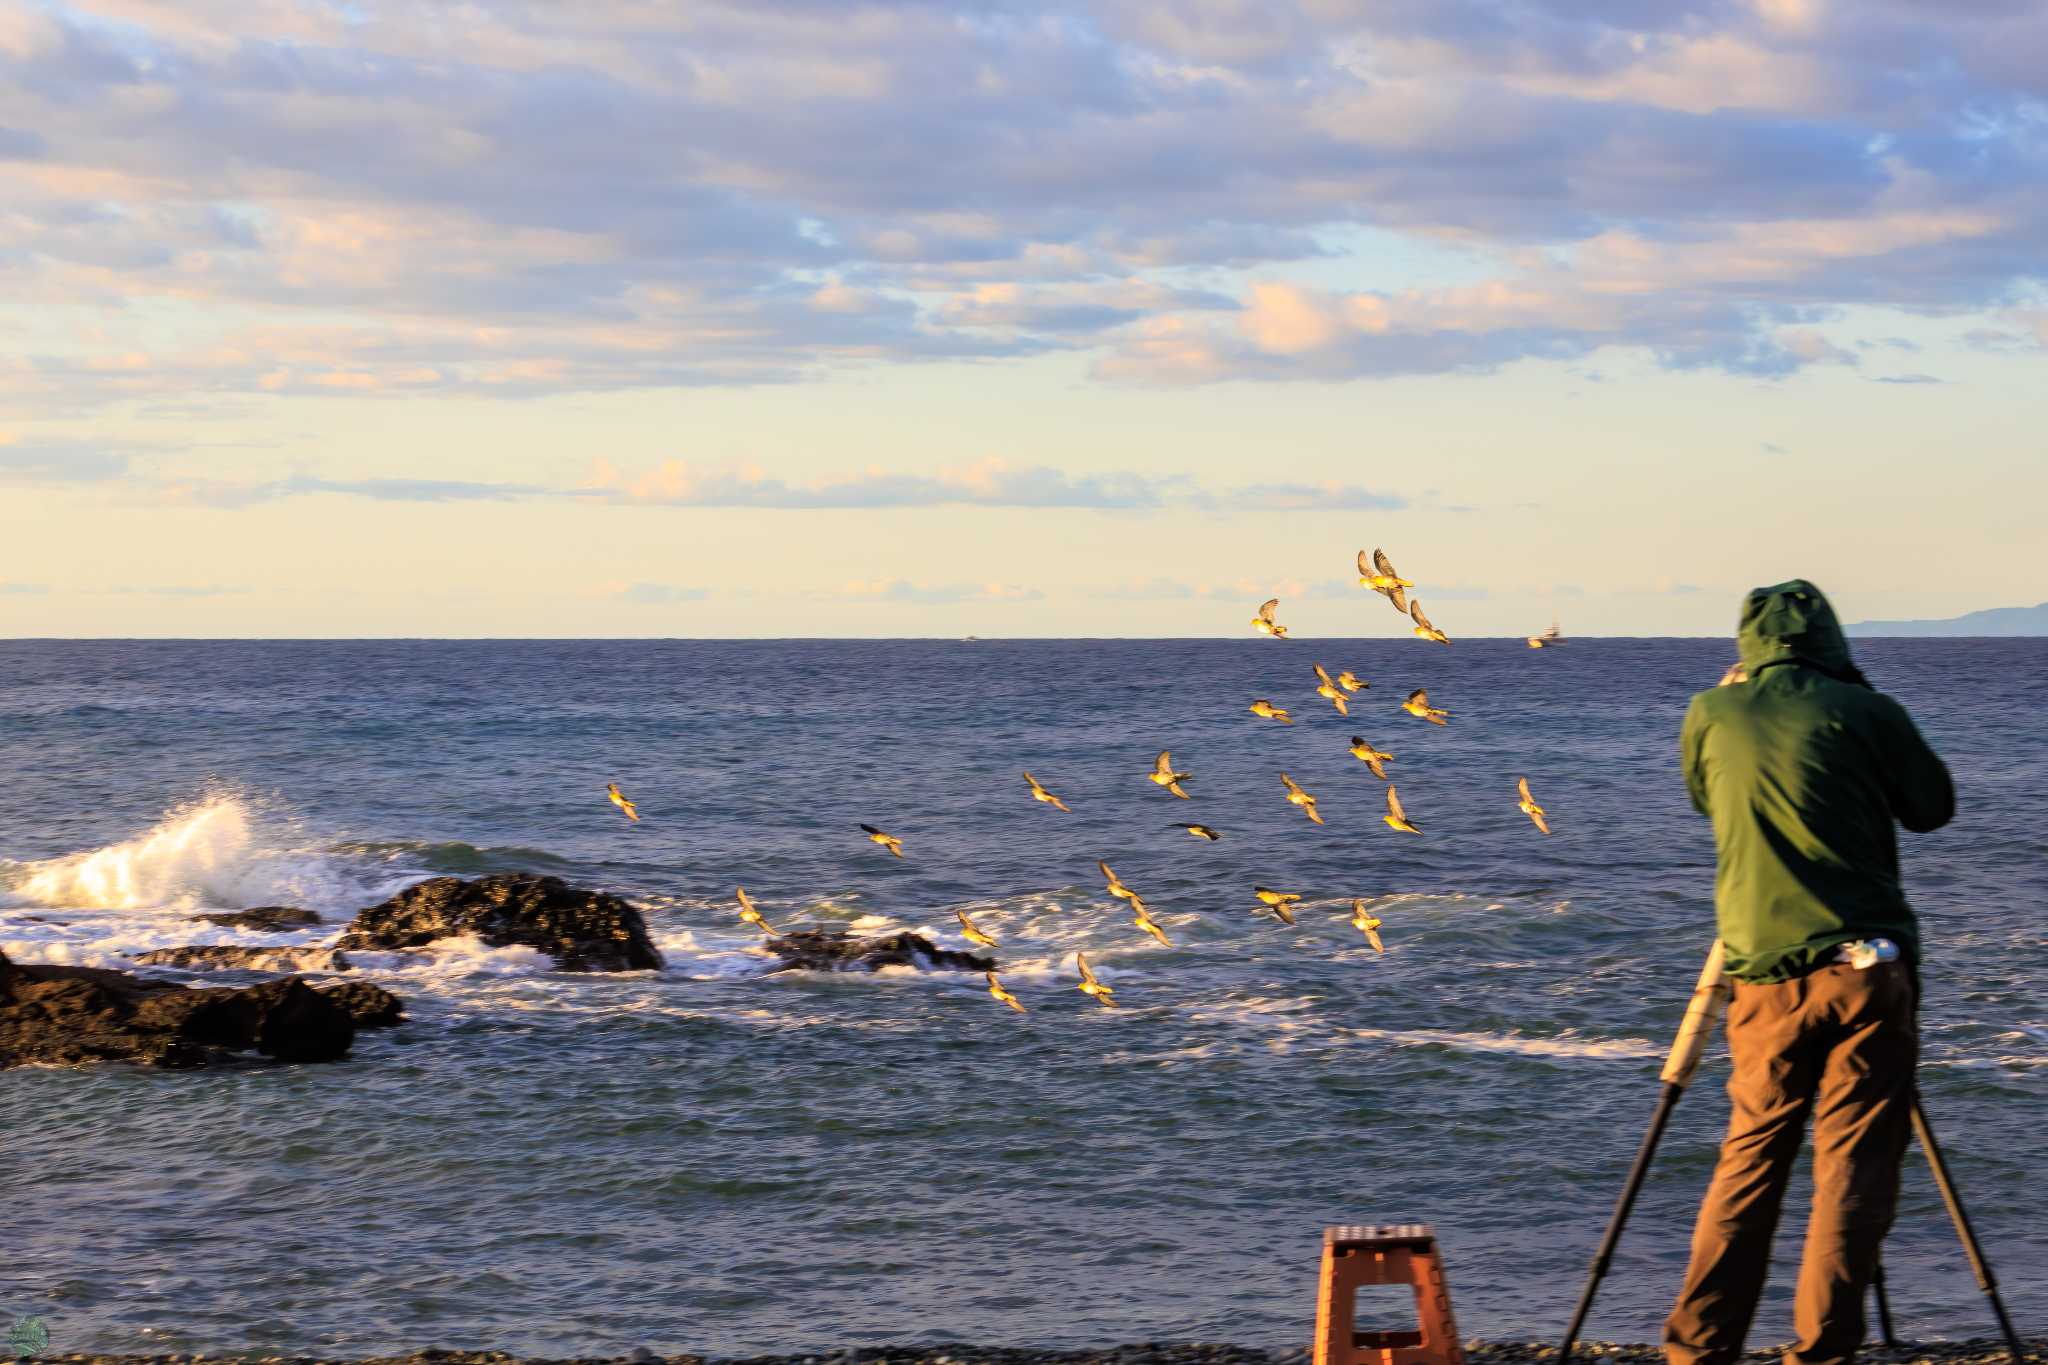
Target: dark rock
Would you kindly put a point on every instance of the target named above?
(827, 950)
(229, 957)
(584, 931)
(370, 1006)
(286, 1019)
(69, 1015)
(270, 919)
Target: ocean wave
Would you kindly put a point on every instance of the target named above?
(226, 851)
(452, 857)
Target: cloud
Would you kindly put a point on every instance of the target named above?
(1250, 590)
(654, 594)
(332, 204)
(902, 591)
(23, 589)
(172, 590)
(1312, 497)
(1907, 379)
(985, 483)
(989, 482)
(58, 460)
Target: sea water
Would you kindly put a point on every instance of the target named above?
(718, 1159)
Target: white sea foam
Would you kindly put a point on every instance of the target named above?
(219, 852)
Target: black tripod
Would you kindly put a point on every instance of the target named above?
(1709, 999)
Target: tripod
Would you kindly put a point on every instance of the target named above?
(1709, 1000)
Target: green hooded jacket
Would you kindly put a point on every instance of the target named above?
(1803, 768)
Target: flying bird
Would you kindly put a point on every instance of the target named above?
(1379, 575)
(618, 797)
(1164, 775)
(1199, 831)
(1143, 919)
(1395, 816)
(1090, 985)
(1266, 625)
(1418, 705)
(1530, 808)
(1367, 923)
(888, 841)
(1351, 682)
(995, 988)
(1371, 757)
(1039, 793)
(1278, 902)
(1264, 708)
(1297, 797)
(972, 932)
(1423, 629)
(1116, 886)
(1326, 687)
(751, 913)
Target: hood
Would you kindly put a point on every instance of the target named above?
(1793, 623)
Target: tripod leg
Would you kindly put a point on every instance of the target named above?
(1665, 1104)
(1954, 1199)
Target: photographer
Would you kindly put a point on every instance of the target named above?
(1804, 768)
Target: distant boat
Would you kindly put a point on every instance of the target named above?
(1553, 636)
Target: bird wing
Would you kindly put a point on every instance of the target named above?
(1382, 563)
(1377, 770)
(871, 829)
(1522, 785)
(1415, 610)
(1364, 565)
(1394, 805)
(1419, 697)
(1398, 598)
(746, 901)
(1266, 612)
(1541, 823)
(1324, 677)
(1164, 763)
(1292, 785)
(1081, 962)
(1033, 781)
(1108, 875)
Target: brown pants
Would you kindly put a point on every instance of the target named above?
(1839, 1044)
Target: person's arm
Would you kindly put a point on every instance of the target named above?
(1917, 783)
(1692, 738)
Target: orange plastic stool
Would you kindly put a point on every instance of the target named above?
(1400, 1254)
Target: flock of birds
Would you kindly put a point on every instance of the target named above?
(1376, 573)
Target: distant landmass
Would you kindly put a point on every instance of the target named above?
(1994, 621)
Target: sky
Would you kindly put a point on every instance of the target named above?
(948, 317)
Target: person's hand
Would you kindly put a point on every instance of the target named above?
(1735, 674)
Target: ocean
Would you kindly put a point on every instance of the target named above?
(715, 1159)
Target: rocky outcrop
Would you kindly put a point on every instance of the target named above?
(584, 931)
(231, 957)
(269, 919)
(69, 1015)
(823, 950)
(370, 1006)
